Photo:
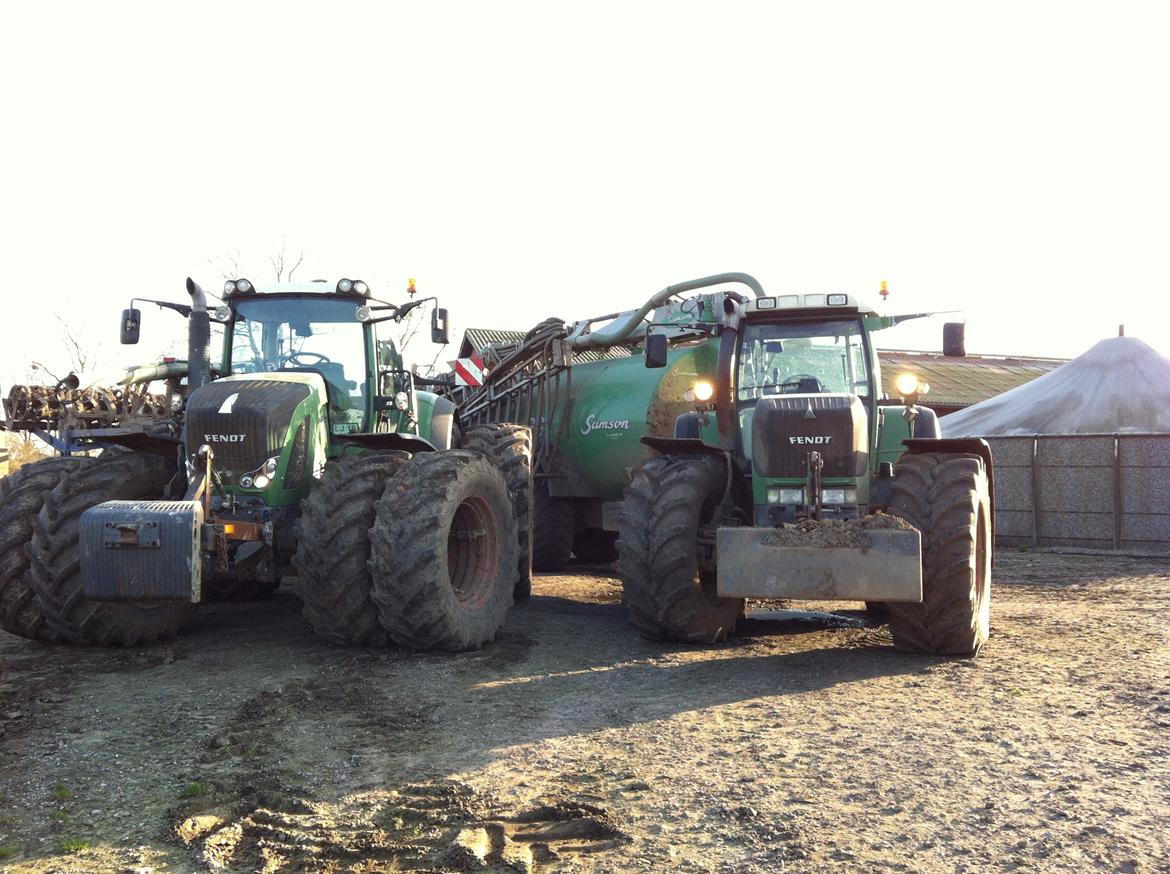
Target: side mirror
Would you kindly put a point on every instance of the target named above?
(656, 350)
(131, 323)
(954, 339)
(439, 326)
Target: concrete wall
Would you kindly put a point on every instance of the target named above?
(1092, 491)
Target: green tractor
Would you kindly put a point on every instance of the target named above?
(308, 451)
(755, 458)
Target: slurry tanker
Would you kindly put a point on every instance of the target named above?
(736, 445)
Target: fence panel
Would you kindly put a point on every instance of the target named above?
(1097, 491)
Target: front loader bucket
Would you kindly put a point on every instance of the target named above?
(871, 565)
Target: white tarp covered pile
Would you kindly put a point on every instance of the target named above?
(1120, 386)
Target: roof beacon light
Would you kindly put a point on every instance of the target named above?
(885, 292)
(410, 289)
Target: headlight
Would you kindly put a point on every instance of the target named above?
(262, 481)
(176, 404)
(270, 466)
(781, 495)
(703, 390)
(229, 287)
(243, 286)
(906, 384)
(361, 288)
(223, 313)
(402, 401)
(839, 496)
(246, 481)
(363, 314)
(345, 286)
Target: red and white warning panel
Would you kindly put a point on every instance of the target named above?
(469, 371)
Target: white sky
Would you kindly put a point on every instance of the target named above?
(534, 159)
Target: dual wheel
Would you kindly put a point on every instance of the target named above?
(673, 506)
(427, 552)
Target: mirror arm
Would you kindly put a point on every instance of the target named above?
(182, 309)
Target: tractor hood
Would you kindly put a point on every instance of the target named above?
(248, 418)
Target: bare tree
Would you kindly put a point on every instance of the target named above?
(284, 265)
(228, 265)
(281, 262)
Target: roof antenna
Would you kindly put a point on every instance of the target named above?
(1121, 330)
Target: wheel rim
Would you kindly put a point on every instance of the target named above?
(473, 552)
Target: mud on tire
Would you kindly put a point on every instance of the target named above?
(510, 448)
(666, 550)
(444, 552)
(333, 548)
(55, 554)
(947, 498)
(553, 522)
(22, 494)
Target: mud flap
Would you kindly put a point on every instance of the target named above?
(142, 551)
(753, 565)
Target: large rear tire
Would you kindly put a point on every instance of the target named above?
(553, 523)
(333, 548)
(22, 494)
(444, 552)
(666, 547)
(510, 448)
(55, 554)
(946, 496)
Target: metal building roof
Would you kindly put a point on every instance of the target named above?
(960, 382)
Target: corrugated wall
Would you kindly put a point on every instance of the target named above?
(1090, 491)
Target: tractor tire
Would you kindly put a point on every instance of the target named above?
(444, 552)
(947, 498)
(553, 524)
(22, 494)
(55, 555)
(510, 448)
(333, 548)
(595, 546)
(666, 550)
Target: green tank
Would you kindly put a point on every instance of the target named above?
(613, 403)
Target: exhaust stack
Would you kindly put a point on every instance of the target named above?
(198, 339)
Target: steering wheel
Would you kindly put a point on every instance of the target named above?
(294, 358)
(792, 384)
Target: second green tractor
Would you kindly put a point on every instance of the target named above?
(305, 450)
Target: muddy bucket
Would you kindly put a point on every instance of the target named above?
(826, 562)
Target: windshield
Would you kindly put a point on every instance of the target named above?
(803, 357)
(323, 335)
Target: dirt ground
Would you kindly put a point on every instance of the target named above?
(805, 744)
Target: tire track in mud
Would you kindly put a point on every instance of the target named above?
(434, 827)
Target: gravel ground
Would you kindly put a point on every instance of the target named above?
(805, 744)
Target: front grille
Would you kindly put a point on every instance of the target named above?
(251, 429)
(786, 429)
